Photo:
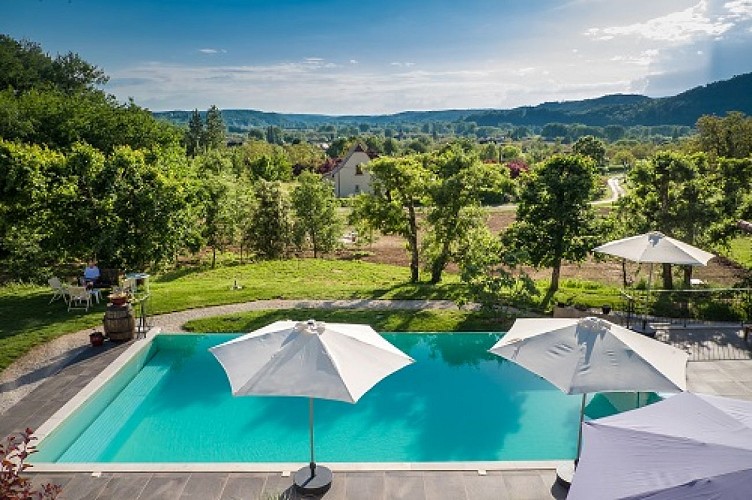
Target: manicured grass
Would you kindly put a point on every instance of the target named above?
(740, 250)
(27, 320)
(430, 320)
(584, 293)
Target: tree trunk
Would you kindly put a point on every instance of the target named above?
(214, 256)
(668, 280)
(438, 265)
(315, 246)
(412, 243)
(687, 276)
(554, 284)
(624, 273)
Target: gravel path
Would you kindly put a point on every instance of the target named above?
(26, 373)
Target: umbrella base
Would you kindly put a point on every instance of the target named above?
(565, 474)
(317, 484)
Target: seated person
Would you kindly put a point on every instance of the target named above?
(91, 274)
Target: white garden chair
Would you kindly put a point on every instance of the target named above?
(58, 290)
(79, 296)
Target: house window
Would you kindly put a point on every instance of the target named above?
(359, 169)
(357, 188)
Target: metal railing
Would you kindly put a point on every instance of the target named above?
(702, 305)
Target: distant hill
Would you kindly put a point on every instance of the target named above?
(716, 98)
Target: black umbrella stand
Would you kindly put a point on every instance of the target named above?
(312, 479)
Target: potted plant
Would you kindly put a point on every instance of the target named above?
(96, 338)
(606, 309)
(118, 298)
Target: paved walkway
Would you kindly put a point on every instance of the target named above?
(73, 364)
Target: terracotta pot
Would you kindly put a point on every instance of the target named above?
(96, 339)
(118, 300)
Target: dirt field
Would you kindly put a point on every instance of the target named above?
(719, 272)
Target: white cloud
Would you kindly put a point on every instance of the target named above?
(353, 61)
(739, 9)
(402, 64)
(682, 26)
(213, 51)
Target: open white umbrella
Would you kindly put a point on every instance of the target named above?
(317, 360)
(655, 248)
(586, 355)
(687, 446)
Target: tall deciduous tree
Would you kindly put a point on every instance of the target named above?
(194, 135)
(671, 193)
(214, 133)
(592, 148)
(555, 221)
(729, 137)
(316, 219)
(270, 229)
(459, 183)
(399, 186)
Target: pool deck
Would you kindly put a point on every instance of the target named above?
(726, 377)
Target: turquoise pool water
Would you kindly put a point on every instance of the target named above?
(455, 403)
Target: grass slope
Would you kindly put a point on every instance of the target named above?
(28, 320)
(383, 321)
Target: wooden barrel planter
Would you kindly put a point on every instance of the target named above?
(120, 322)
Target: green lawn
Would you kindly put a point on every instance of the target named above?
(740, 250)
(384, 321)
(27, 320)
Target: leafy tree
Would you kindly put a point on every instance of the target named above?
(316, 219)
(399, 186)
(194, 135)
(24, 66)
(729, 137)
(592, 148)
(270, 229)
(555, 221)
(149, 197)
(339, 147)
(304, 154)
(459, 182)
(214, 132)
(216, 192)
(670, 193)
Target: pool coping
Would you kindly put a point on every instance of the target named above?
(98, 382)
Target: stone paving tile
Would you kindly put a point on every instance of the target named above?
(164, 487)
(242, 486)
(125, 486)
(204, 485)
(445, 486)
(489, 486)
(365, 485)
(404, 485)
(84, 487)
(526, 485)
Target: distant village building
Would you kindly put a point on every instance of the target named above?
(348, 175)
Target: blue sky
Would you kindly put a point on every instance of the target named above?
(386, 56)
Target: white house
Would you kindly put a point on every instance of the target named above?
(348, 176)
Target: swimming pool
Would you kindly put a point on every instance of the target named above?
(172, 403)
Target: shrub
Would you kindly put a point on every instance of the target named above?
(13, 455)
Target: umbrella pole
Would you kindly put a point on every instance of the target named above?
(579, 428)
(310, 429)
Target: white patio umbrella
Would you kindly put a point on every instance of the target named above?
(655, 248)
(687, 446)
(586, 355)
(317, 360)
